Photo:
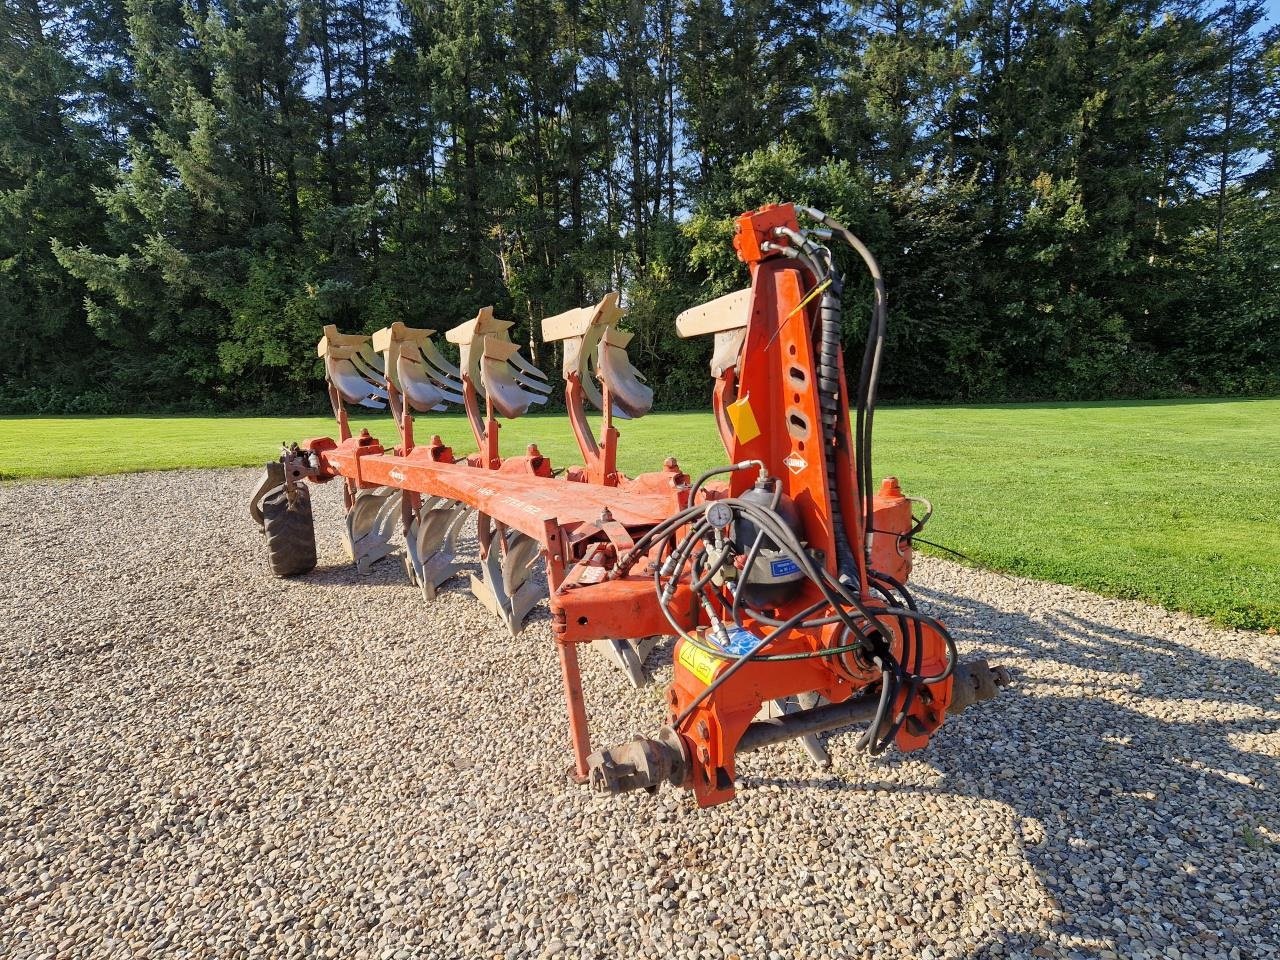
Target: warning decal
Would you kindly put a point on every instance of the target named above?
(698, 662)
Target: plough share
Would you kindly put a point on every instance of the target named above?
(781, 575)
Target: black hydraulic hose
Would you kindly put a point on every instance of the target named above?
(891, 589)
(784, 536)
(888, 693)
(662, 597)
(716, 471)
(913, 613)
(882, 744)
(830, 349)
(829, 353)
(686, 546)
(880, 310)
(663, 531)
(860, 430)
(781, 534)
(917, 524)
(914, 683)
(941, 546)
(740, 587)
(662, 605)
(870, 373)
(697, 582)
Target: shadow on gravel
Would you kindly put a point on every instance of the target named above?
(1149, 814)
(388, 573)
(1144, 801)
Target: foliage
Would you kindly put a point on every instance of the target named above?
(1068, 199)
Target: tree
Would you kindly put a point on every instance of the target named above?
(1069, 199)
(203, 274)
(53, 155)
(1241, 113)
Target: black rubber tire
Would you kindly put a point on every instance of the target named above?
(290, 531)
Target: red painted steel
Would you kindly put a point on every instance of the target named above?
(767, 409)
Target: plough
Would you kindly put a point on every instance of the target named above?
(781, 575)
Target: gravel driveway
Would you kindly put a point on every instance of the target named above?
(199, 760)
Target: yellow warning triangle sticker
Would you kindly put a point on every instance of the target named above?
(743, 418)
(698, 662)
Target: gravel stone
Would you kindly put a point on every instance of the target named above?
(200, 760)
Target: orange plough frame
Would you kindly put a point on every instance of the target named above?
(784, 414)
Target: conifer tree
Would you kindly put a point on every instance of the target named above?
(53, 155)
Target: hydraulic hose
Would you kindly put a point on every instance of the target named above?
(716, 471)
(830, 348)
(829, 358)
(900, 679)
(870, 373)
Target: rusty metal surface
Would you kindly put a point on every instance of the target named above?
(640, 764)
(976, 681)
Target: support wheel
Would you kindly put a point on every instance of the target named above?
(290, 531)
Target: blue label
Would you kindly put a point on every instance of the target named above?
(784, 567)
(740, 641)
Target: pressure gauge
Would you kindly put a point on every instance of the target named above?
(719, 515)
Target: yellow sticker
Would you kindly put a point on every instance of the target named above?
(743, 418)
(698, 662)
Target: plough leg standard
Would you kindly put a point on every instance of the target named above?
(782, 575)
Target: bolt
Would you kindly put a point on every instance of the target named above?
(670, 465)
(606, 516)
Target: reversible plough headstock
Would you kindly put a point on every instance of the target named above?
(782, 575)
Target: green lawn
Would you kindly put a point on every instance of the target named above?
(1177, 503)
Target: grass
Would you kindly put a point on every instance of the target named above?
(1251, 838)
(1177, 503)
